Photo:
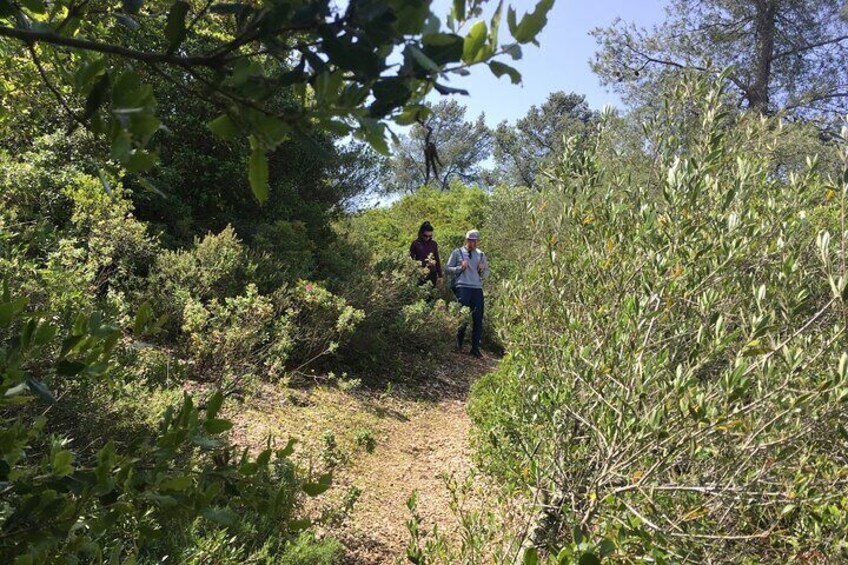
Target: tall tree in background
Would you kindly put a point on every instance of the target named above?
(521, 150)
(462, 147)
(783, 54)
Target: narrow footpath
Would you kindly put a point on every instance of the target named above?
(421, 441)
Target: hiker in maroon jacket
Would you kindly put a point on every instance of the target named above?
(426, 250)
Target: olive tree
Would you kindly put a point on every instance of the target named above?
(677, 376)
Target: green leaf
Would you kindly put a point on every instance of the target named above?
(35, 6)
(69, 344)
(70, 368)
(287, 450)
(224, 127)
(61, 462)
(499, 69)
(531, 556)
(443, 48)
(213, 405)
(410, 16)
(513, 50)
(412, 114)
(443, 89)
(161, 500)
(10, 310)
(96, 96)
(589, 559)
(176, 483)
(299, 525)
(126, 91)
(258, 173)
(40, 390)
(532, 23)
(426, 62)
(143, 125)
(140, 160)
(132, 6)
(248, 468)
(263, 458)
(496, 25)
(222, 516)
(45, 333)
(142, 318)
(205, 442)
(6, 9)
(216, 426)
(606, 547)
(474, 42)
(324, 483)
(175, 29)
(459, 10)
(390, 93)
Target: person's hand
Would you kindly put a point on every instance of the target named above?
(440, 282)
(464, 264)
(480, 268)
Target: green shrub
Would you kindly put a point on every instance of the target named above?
(676, 380)
(68, 241)
(285, 253)
(236, 335)
(216, 267)
(323, 321)
(153, 498)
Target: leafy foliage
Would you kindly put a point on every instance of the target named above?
(676, 349)
(240, 57)
(65, 502)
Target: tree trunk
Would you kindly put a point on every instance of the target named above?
(758, 93)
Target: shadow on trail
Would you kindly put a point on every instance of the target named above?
(450, 380)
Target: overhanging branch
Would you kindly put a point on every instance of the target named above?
(29, 37)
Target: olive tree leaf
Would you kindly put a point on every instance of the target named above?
(175, 29)
(472, 50)
(499, 69)
(258, 173)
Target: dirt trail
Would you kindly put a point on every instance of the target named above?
(415, 454)
(421, 432)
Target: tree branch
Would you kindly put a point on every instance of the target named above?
(30, 36)
(809, 46)
(51, 87)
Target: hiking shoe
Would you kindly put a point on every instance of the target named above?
(477, 354)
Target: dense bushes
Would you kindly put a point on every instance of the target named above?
(107, 327)
(676, 381)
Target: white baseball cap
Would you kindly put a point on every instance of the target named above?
(472, 234)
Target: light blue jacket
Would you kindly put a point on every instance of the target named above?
(471, 277)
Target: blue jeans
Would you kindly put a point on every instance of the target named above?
(472, 298)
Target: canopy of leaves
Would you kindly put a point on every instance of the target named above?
(238, 57)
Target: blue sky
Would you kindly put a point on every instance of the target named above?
(560, 63)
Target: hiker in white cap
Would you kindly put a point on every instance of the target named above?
(469, 268)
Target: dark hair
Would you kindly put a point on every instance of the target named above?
(426, 226)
